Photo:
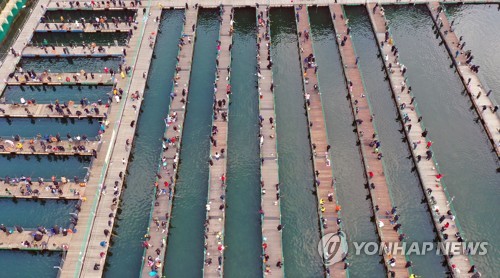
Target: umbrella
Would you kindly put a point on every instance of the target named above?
(19, 146)
(153, 273)
(19, 229)
(38, 237)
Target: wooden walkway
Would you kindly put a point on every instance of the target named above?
(42, 147)
(216, 201)
(48, 190)
(272, 244)
(87, 5)
(159, 223)
(74, 111)
(66, 27)
(25, 241)
(59, 51)
(438, 197)
(327, 207)
(374, 171)
(477, 92)
(54, 79)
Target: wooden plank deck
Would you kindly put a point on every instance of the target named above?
(54, 79)
(73, 111)
(47, 190)
(477, 92)
(374, 171)
(272, 244)
(58, 51)
(216, 203)
(24, 241)
(327, 208)
(426, 168)
(65, 27)
(41, 147)
(167, 179)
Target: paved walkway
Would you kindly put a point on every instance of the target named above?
(91, 5)
(216, 201)
(477, 92)
(327, 199)
(159, 223)
(63, 51)
(374, 170)
(435, 191)
(269, 169)
(74, 111)
(22, 190)
(72, 78)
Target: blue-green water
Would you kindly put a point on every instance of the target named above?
(479, 24)
(352, 195)
(30, 128)
(406, 195)
(57, 65)
(298, 205)
(185, 242)
(25, 264)
(77, 38)
(135, 205)
(31, 214)
(242, 255)
(460, 145)
(49, 94)
(35, 166)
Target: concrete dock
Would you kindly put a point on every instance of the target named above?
(167, 179)
(328, 207)
(63, 51)
(25, 242)
(476, 90)
(435, 191)
(272, 244)
(91, 5)
(66, 27)
(374, 170)
(70, 79)
(216, 203)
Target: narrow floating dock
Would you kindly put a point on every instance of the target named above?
(78, 51)
(216, 201)
(272, 244)
(477, 92)
(374, 171)
(435, 192)
(65, 27)
(52, 111)
(54, 147)
(64, 190)
(92, 5)
(25, 241)
(55, 79)
(327, 201)
(162, 204)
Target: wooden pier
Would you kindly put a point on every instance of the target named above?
(37, 146)
(167, 178)
(65, 27)
(477, 92)
(62, 191)
(97, 5)
(24, 241)
(435, 192)
(216, 201)
(374, 171)
(63, 51)
(328, 208)
(69, 79)
(272, 244)
(70, 110)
